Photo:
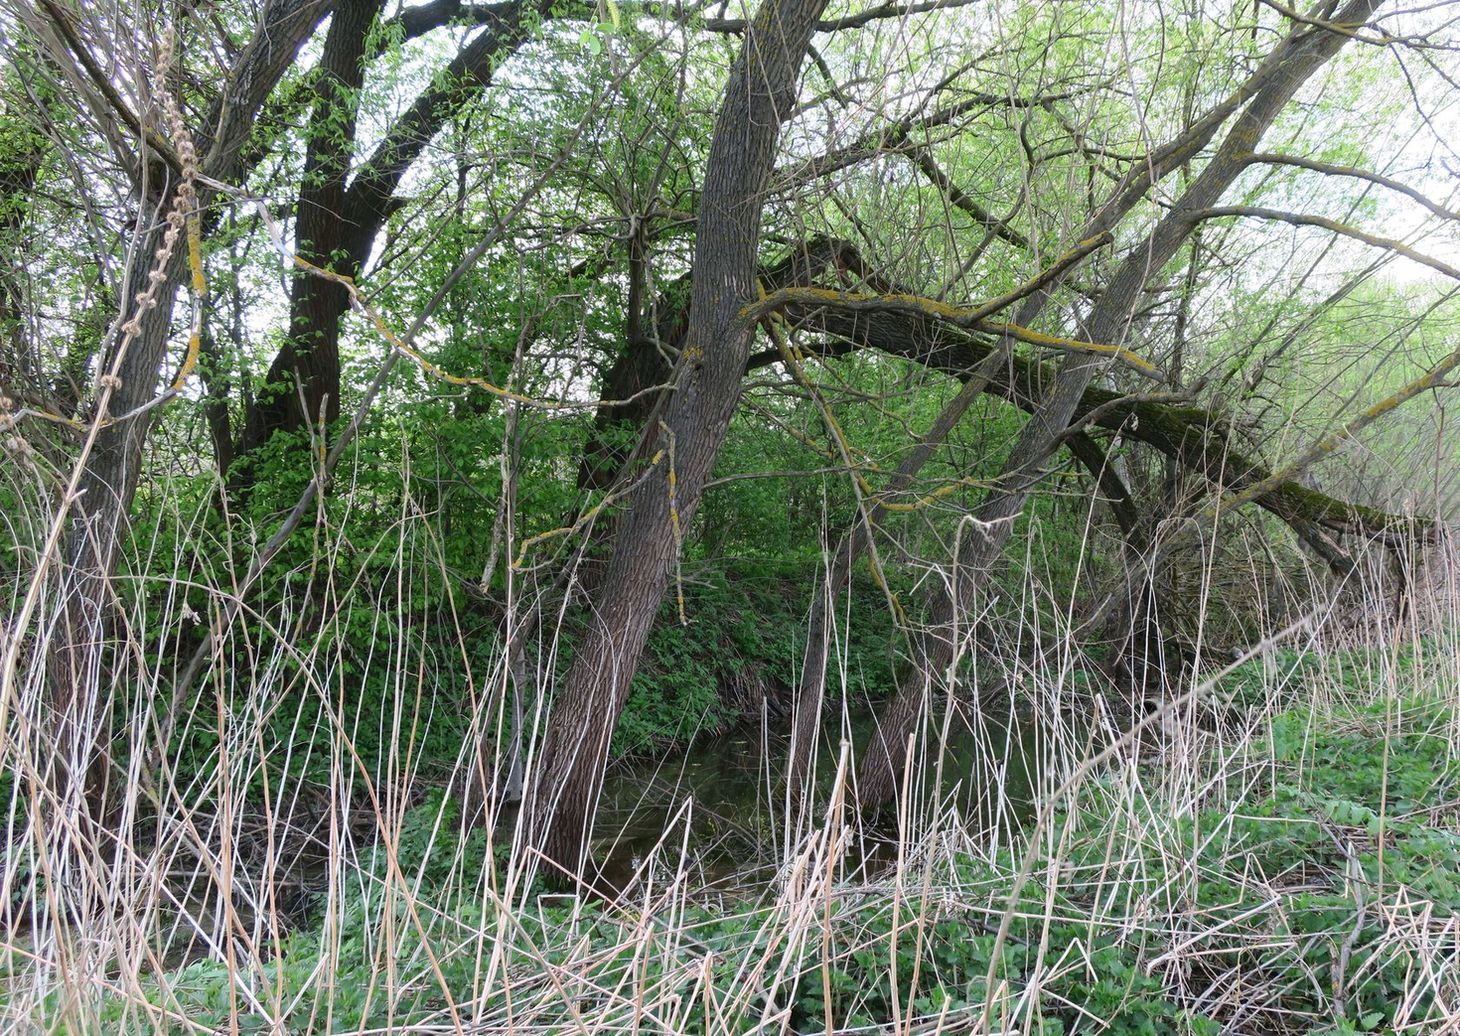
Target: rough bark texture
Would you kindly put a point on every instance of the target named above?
(759, 95)
(626, 402)
(1301, 54)
(109, 481)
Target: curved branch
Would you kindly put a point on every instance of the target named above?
(809, 299)
(1300, 219)
(507, 28)
(1195, 437)
(1329, 169)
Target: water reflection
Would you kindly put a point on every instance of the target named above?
(724, 802)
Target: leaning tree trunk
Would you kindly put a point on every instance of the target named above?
(758, 98)
(1295, 60)
(811, 689)
(100, 514)
(78, 698)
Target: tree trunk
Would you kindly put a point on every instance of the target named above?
(758, 97)
(338, 216)
(812, 687)
(102, 505)
(78, 695)
(303, 384)
(1301, 54)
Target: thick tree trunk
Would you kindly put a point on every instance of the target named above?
(626, 400)
(758, 98)
(1300, 55)
(79, 698)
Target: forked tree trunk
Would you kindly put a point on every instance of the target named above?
(1305, 50)
(343, 207)
(303, 383)
(759, 96)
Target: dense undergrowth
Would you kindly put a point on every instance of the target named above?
(1290, 866)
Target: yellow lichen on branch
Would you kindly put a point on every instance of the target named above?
(1116, 352)
(582, 520)
(961, 316)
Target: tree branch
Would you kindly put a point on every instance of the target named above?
(1299, 219)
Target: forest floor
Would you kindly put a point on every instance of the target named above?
(1279, 855)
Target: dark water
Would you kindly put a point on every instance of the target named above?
(723, 801)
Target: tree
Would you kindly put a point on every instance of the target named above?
(896, 303)
(342, 207)
(1301, 53)
(758, 98)
(167, 178)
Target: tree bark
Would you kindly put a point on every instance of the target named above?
(1200, 439)
(77, 696)
(302, 387)
(758, 98)
(1298, 57)
(811, 689)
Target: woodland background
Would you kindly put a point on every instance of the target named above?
(1016, 435)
